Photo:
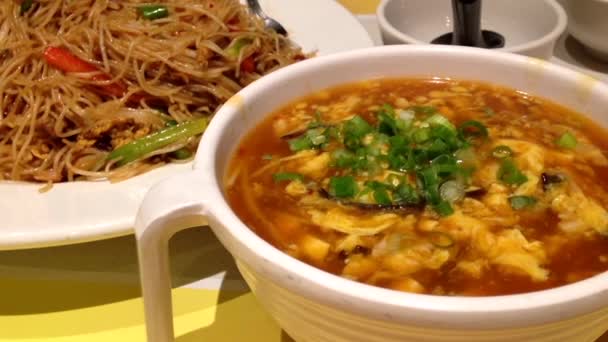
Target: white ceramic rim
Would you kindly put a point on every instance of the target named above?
(497, 312)
(560, 27)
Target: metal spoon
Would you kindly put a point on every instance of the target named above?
(270, 23)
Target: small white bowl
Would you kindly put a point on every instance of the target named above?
(587, 22)
(313, 305)
(530, 27)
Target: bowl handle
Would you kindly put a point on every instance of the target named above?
(172, 205)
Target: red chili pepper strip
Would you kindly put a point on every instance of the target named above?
(62, 59)
(248, 65)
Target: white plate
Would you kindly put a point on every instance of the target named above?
(85, 211)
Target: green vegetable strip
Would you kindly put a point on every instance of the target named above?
(287, 176)
(510, 174)
(567, 140)
(150, 143)
(343, 187)
(153, 12)
(234, 50)
(440, 120)
(444, 208)
(300, 144)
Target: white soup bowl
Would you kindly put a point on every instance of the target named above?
(530, 27)
(312, 305)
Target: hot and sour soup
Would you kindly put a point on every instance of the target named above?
(430, 186)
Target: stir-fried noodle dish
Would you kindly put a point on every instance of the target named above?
(108, 89)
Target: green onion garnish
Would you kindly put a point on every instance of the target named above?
(567, 140)
(406, 194)
(300, 144)
(521, 202)
(510, 174)
(502, 151)
(472, 129)
(444, 208)
(267, 157)
(343, 186)
(380, 192)
(452, 191)
(153, 12)
(489, 111)
(440, 120)
(287, 176)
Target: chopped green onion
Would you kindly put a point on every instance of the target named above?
(489, 111)
(357, 126)
(354, 130)
(26, 5)
(380, 193)
(234, 50)
(466, 156)
(472, 129)
(343, 186)
(440, 120)
(316, 136)
(387, 124)
(267, 157)
(406, 115)
(300, 144)
(143, 146)
(441, 239)
(444, 208)
(287, 176)
(317, 122)
(521, 202)
(567, 140)
(343, 159)
(502, 151)
(181, 154)
(421, 135)
(510, 174)
(452, 191)
(153, 12)
(406, 194)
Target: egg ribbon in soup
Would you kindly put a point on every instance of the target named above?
(431, 186)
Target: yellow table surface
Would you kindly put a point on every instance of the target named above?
(90, 292)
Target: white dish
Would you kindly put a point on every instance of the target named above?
(314, 305)
(85, 211)
(530, 28)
